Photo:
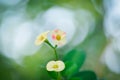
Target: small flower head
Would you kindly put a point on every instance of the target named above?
(56, 66)
(59, 37)
(41, 38)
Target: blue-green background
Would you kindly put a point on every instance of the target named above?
(83, 21)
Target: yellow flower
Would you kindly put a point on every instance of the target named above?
(59, 37)
(41, 38)
(56, 66)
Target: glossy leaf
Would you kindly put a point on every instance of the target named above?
(77, 56)
(70, 69)
(73, 60)
(86, 75)
(75, 78)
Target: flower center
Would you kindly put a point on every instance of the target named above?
(58, 37)
(55, 66)
(41, 38)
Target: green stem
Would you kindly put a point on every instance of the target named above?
(56, 53)
(54, 48)
(59, 76)
(49, 43)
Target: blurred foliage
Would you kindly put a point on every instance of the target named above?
(85, 75)
(93, 45)
(34, 7)
(8, 71)
(5, 69)
(34, 65)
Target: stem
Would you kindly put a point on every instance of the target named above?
(54, 48)
(56, 53)
(59, 76)
(49, 43)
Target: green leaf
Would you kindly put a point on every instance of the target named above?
(70, 69)
(75, 78)
(53, 74)
(77, 56)
(73, 61)
(86, 75)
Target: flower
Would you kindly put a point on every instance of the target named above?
(41, 38)
(59, 37)
(56, 66)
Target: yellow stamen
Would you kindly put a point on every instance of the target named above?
(55, 66)
(58, 37)
(41, 38)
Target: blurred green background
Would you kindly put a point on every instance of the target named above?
(92, 25)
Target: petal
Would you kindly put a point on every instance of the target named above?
(43, 35)
(62, 34)
(61, 66)
(53, 37)
(37, 42)
(61, 42)
(50, 65)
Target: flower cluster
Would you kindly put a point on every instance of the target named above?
(59, 38)
(72, 60)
